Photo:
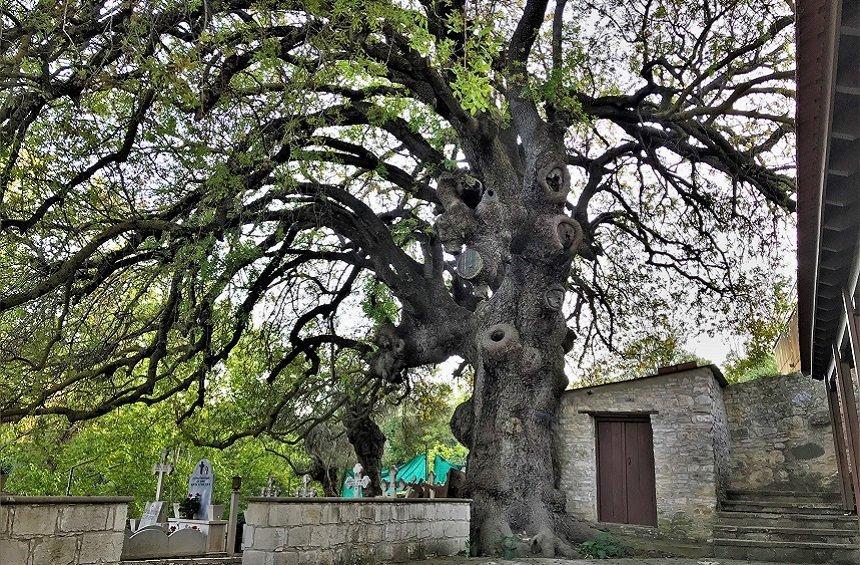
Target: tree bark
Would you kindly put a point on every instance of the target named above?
(526, 244)
(368, 441)
(328, 477)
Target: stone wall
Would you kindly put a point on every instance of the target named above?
(61, 530)
(321, 531)
(690, 446)
(780, 435)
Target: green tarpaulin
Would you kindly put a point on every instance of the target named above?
(411, 472)
(441, 466)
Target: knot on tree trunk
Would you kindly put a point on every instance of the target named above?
(388, 361)
(462, 421)
(500, 343)
(560, 234)
(459, 188)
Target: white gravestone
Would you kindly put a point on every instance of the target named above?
(201, 482)
(392, 481)
(357, 483)
(154, 514)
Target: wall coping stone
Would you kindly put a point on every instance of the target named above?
(363, 500)
(14, 499)
(715, 371)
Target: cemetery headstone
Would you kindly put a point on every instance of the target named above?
(271, 489)
(201, 482)
(392, 481)
(356, 482)
(155, 513)
(306, 491)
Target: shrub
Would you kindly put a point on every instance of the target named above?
(602, 546)
(190, 506)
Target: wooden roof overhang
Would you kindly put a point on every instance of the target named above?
(828, 175)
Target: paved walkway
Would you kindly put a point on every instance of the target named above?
(661, 561)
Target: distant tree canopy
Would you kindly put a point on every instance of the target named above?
(297, 205)
(762, 328)
(114, 455)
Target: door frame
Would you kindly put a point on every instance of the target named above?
(625, 417)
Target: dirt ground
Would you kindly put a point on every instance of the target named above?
(633, 561)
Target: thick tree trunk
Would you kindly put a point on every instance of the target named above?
(509, 423)
(526, 244)
(368, 441)
(328, 477)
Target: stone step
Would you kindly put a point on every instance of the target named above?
(783, 496)
(781, 507)
(787, 552)
(764, 533)
(790, 520)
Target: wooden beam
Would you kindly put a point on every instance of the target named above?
(840, 447)
(852, 323)
(848, 409)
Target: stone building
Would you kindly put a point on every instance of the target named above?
(678, 457)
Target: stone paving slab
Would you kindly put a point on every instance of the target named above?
(640, 561)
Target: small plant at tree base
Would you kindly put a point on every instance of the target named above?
(603, 546)
(508, 546)
(5, 467)
(190, 506)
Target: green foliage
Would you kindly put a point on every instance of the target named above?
(378, 304)
(603, 546)
(421, 424)
(639, 357)
(766, 321)
(114, 455)
(189, 506)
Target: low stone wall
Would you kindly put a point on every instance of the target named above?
(61, 530)
(780, 435)
(321, 531)
(236, 560)
(690, 446)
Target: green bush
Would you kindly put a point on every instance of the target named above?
(602, 546)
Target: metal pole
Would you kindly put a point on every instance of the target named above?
(232, 519)
(72, 474)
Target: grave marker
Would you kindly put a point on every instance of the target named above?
(356, 482)
(163, 468)
(392, 481)
(201, 482)
(154, 514)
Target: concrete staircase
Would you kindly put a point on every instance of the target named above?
(786, 527)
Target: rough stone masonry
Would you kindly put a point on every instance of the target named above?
(41, 530)
(321, 531)
(769, 434)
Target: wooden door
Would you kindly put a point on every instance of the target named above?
(626, 492)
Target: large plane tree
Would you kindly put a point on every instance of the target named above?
(183, 181)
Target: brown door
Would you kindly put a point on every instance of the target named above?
(625, 471)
